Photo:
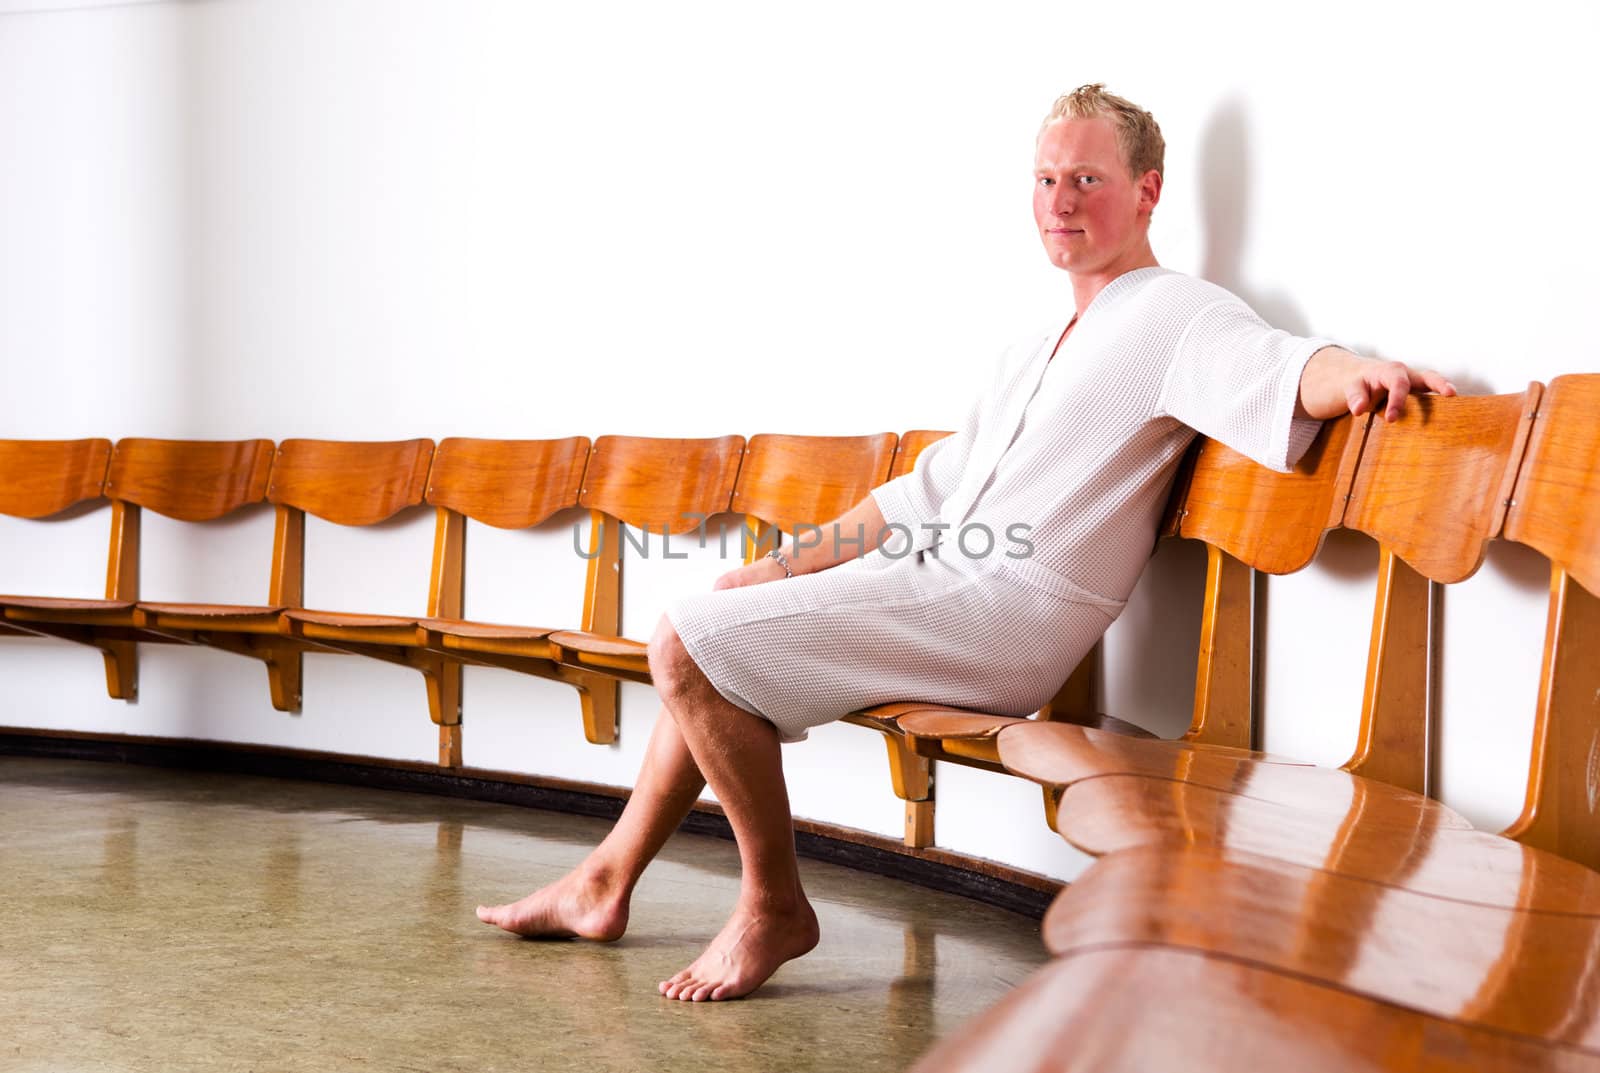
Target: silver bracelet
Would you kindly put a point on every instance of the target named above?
(783, 562)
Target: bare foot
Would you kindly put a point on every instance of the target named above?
(748, 949)
(574, 906)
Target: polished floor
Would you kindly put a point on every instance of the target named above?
(153, 920)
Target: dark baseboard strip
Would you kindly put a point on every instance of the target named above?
(985, 881)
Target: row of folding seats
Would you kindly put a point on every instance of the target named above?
(776, 482)
(1247, 910)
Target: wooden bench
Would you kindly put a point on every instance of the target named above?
(1313, 918)
(188, 480)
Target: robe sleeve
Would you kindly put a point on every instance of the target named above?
(1235, 379)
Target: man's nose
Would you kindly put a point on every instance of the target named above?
(1064, 201)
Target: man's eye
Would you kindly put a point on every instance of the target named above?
(1087, 180)
(1046, 181)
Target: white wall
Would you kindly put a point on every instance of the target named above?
(365, 219)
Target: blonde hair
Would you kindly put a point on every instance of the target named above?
(1138, 135)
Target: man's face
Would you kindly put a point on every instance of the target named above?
(1092, 215)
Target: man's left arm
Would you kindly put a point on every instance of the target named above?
(1336, 382)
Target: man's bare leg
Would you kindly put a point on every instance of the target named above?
(739, 754)
(591, 901)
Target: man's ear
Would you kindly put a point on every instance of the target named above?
(1149, 190)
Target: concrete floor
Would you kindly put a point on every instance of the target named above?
(153, 920)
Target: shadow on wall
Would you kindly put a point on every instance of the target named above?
(1225, 169)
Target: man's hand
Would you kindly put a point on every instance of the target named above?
(1336, 382)
(755, 573)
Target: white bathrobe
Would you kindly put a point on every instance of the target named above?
(1018, 539)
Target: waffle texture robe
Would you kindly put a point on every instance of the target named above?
(1016, 541)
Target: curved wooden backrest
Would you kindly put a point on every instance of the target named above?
(1556, 506)
(651, 483)
(1433, 486)
(510, 484)
(43, 477)
(350, 483)
(789, 481)
(910, 446)
(191, 480)
(1272, 521)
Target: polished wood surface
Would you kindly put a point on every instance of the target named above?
(940, 722)
(792, 481)
(1223, 709)
(1556, 507)
(1054, 758)
(1535, 974)
(661, 483)
(1058, 754)
(243, 618)
(1392, 736)
(510, 484)
(1143, 1009)
(1560, 812)
(910, 446)
(63, 603)
(1273, 522)
(1433, 485)
(1372, 839)
(191, 480)
(350, 482)
(1556, 511)
(464, 629)
(39, 478)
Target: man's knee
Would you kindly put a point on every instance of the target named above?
(671, 666)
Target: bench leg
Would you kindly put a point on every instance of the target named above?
(912, 776)
(284, 674)
(598, 698)
(450, 745)
(444, 705)
(1052, 803)
(444, 690)
(122, 669)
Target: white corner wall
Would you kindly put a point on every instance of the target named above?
(365, 219)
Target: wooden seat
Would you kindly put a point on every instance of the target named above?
(666, 487)
(43, 478)
(188, 480)
(236, 618)
(1512, 969)
(1062, 755)
(1134, 1009)
(342, 482)
(783, 483)
(510, 484)
(1428, 851)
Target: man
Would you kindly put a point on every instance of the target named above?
(1080, 450)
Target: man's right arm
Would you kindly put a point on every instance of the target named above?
(864, 520)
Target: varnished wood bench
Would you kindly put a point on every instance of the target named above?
(1324, 918)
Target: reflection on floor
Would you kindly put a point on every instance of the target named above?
(157, 920)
